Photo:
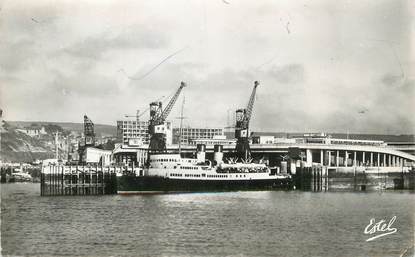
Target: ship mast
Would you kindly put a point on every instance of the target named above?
(181, 125)
(56, 145)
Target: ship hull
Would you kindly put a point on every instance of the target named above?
(156, 185)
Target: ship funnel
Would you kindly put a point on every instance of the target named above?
(201, 153)
(284, 166)
(293, 166)
(218, 154)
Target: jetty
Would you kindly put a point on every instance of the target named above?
(59, 180)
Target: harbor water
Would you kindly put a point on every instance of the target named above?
(264, 223)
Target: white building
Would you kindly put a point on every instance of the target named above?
(95, 155)
(135, 132)
(189, 135)
(33, 132)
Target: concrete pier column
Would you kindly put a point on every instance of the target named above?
(371, 159)
(389, 160)
(329, 161)
(354, 159)
(384, 160)
(337, 158)
(378, 160)
(363, 159)
(309, 158)
(322, 158)
(394, 161)
(346, 158)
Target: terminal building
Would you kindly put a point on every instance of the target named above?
(319, 148)
(188, 135)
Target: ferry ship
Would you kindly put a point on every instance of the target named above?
(169, 173)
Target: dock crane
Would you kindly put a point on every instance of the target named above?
(243, 116)
(157, 127)
(89, 131)
(138, 114)
(89, 139)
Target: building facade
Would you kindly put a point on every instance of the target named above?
(135, 132)
(189, 135)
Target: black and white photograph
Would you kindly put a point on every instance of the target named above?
(207, 128)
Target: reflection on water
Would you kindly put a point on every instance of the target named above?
(203, 224)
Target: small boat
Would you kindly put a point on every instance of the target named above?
(20, 177)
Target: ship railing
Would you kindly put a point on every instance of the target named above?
(242, 170)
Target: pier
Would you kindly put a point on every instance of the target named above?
(59, 180)
(322, 178)
(313, 178)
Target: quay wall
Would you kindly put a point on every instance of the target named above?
(321, 178)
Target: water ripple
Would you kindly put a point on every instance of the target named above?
(203, 224)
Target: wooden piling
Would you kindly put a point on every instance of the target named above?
(64, 180)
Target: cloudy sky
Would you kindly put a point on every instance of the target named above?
(323, 65)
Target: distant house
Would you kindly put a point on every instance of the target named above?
(94, 155)
(33, 131)
(2, 128)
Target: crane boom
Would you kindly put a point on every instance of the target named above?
(251, 102)
(172, 101)
(157, 114)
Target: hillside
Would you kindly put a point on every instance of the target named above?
(19, 147)
(100, 129)
(16, 146)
